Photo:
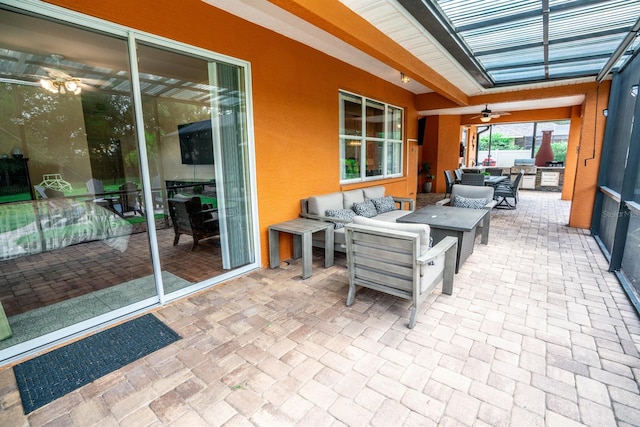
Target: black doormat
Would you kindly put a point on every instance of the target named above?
(46, 378)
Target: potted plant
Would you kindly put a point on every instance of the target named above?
(424, 168)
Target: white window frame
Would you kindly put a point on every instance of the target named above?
(361, 139)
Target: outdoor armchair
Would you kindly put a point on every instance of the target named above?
(396, 259)
(473, 196)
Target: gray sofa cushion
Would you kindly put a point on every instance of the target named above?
(318, 205)
(469, 202)
(422, 229)
(350, 197)
(374, 192)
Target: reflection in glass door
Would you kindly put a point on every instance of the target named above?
(196, 139)
(73, 239)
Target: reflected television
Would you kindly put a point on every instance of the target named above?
(196, 143)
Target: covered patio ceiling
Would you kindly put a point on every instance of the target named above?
(463, 49)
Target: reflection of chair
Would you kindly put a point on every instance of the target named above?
(40, 191)
(95, 187)
(51, 193)
(508, 190)
(129, 199)
(473, 179)
(156, 192)
(448, 179)
(47, 193)
(190, 217)
(55, 181)
(396, 259)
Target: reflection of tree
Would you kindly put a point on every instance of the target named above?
(43, 122)
(110, 133)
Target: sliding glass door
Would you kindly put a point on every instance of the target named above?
(125, 175)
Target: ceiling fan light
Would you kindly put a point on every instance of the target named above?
(47, 85)
(485, 119)
(71, 85)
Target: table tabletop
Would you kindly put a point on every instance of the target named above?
(493, 180)
(301, 225)
(446, 217)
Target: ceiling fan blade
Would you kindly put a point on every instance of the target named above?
(55, 73)
(500, 113)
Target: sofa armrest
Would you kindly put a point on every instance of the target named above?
(404, 200)
(491, 204)
(443, 202)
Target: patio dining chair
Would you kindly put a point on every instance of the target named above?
(448, 179)
(457, 173)
(508, 190)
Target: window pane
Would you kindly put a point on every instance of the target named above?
(630, 264)
(394, 123)
(374, 155)
(394, 158)
(351, 115)
(351, 159)
(363, 156)
(375, 119)
(608, 222)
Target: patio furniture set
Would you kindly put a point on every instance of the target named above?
(390, 247)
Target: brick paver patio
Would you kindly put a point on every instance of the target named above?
(536, 333)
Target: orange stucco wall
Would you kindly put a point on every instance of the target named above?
(295, 98)
(588, 155)
(571, 160)
(441, 147)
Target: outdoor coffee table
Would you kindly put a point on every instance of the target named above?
(302, 231)
(450, 221)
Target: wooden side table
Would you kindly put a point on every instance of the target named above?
(302, 230)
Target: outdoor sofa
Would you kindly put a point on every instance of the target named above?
(341, 207)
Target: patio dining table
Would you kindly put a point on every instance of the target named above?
(494, 180)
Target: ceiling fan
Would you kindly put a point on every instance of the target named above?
(55, 80)
(486, 115)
